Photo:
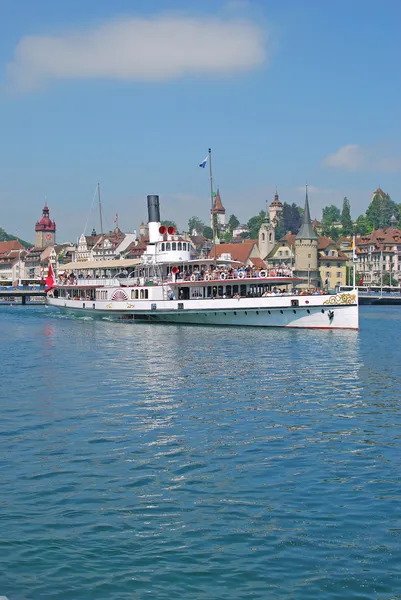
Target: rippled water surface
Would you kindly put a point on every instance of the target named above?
(161, 461)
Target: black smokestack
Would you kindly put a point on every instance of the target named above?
(153, 209)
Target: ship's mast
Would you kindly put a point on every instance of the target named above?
(212, 203)
(100, 209)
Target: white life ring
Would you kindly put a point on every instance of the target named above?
(241, 275)
(207, 277)
(222, 275)
(193, 278)
(263, 273)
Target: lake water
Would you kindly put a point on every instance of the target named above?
(161, 461)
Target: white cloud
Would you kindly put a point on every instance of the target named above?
(348, 157)
(155, 49)
(357, 158)
(312, 189)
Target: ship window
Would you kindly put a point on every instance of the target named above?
(168, 246)
(228, 290)
(243, 291)
(141, 294)
(174, 246)
(163, 246)
(179, 246)
(146, 294)
(136, 294)
(184, 246)
(220, 290)
(235, 289)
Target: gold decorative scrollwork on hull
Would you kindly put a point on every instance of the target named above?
(108, 305)
(341, 299)
(130, 305)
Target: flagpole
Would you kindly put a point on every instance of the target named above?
(212, 203)
(354, 262)
(100, 209)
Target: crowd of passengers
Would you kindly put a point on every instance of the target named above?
(258, 294)
(220, 273)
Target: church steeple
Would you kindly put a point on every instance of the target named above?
(267, 215)
(306, 231)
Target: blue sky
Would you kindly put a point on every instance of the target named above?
(132, 94)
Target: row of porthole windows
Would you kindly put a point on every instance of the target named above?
(139, 294)
(268, 312)
(167, 246)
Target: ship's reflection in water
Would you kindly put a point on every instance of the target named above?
(200, 462)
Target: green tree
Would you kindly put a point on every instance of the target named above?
(331, 214)
(7, 237)
(227, 237)
(207, 232)
(245, 235)
(255, 223)
(362, 226)
(333, 233)
(233, 222)
(290, 220)
(380, 211)
(195, 223)
(346, 221)
(386, 280)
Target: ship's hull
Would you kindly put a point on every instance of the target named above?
(311, 313)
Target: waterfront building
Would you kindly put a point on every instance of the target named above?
(143, 231)
(11, 261)
(332, 264)
(266, 236)
(317, 226)
(200, 245)
(240, 229)
(245, 253)
(306, 249)
(45, 230)
(108, 246)
(275, 209)
(85, 246)
(377, 252)
(218, 210)
(283, 253)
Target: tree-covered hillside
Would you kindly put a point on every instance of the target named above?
(7, 237)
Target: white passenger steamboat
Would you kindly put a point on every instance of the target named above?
(167, 286)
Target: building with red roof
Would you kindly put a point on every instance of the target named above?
(45, 230)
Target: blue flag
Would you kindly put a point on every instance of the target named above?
(203, 163)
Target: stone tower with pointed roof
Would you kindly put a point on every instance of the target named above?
(275, 210)
(266, 236)
(306, 265)
(45, 230)
(219, 210)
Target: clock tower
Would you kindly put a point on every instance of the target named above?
(45, 230)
